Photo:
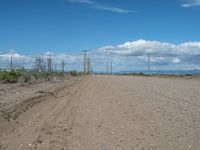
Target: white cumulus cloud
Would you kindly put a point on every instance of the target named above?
(127, 56)
(143, 47)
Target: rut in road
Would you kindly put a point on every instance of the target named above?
(47, 122)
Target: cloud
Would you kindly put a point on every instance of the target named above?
(15, 56)
(127, 56)
(102, 7)
(156, 48)
(81, 1)
(191, 3)
(176, 60)
(113, 9)
(48, 54)
(18, 60)
(72, 61)
(163, 55)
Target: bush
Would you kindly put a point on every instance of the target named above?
(74, 73)
(30, 76)
(10, 77)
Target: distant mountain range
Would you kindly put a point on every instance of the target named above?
(176, 72)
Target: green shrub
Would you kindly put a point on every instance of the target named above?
(74, 73)
(10, 77)
(27, 76)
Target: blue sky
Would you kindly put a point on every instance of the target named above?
(67, 26)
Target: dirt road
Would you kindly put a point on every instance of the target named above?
(109, 113)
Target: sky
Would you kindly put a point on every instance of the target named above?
(122, 31)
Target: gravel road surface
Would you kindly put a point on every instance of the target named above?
(105, 113)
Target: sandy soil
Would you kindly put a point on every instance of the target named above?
(103, 113)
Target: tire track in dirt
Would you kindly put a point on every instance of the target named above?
(15, 111)
(49, 127)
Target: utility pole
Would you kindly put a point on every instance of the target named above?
(85, 57)
(0, 62)
(148, 62)
(88, 66)
(91, 69)
(107, 69)
(111, 68)
(63, 66)
(55, 67)
(11, 59)
(11, 63)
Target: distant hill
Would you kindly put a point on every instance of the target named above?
(177, 72)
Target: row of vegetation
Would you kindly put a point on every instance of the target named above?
(30, 76)
(149, 75)
(136, 74)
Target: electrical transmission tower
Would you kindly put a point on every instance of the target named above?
(39, 65)
(49, 64)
